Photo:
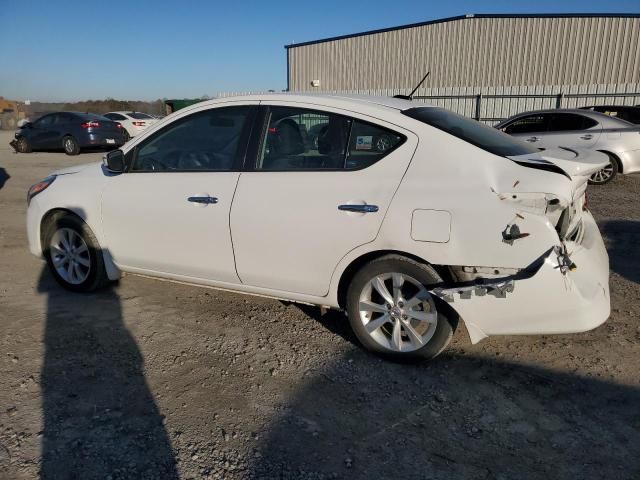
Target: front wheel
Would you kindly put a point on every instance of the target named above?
(73, 254)
(392, 312)
(23, 145)
(70, 145)
(605, 175)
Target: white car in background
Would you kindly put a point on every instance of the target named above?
(133, 122)
(618, 139)
(449, 219)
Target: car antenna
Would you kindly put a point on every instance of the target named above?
(410, 96)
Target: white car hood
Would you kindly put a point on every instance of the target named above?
(75, 168)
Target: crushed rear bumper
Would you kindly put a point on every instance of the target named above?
(550, 301)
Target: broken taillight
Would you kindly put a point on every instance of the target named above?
(585, 203)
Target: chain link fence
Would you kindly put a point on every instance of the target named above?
(492, 104)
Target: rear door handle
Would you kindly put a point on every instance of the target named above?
(358, 208)
(588, 136)
(533, 139)
(205, 200)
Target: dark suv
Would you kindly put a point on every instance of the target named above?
(69, 131)
(624, 112)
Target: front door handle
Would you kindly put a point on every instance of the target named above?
(205, 200)
(533, 139)
(358, 208)
(588, 136)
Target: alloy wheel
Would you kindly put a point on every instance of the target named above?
(601, 176)
(70, 256)
(398, 312)
(68, 145)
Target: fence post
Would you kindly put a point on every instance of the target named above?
(559, 100)
(478, 105)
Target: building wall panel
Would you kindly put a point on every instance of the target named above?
(475, 52)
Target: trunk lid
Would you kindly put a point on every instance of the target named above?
(575, 164)
(569, 161)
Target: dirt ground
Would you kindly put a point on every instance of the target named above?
(156, 380)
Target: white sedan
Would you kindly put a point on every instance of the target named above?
(448, 220)
(133, 123)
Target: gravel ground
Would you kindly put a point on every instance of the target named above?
(157, 380)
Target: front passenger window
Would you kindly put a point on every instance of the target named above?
(528, 124)
(203, 141)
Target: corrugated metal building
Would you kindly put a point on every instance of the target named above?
(474, 51)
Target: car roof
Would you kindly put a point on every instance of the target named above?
(327, 99)
(604, 120)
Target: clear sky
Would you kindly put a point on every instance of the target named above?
(66, 50)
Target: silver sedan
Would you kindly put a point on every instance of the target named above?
(584, 129)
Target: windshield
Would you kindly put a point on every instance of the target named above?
(139, 115)
(472, 131)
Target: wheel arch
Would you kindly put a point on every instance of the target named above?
(50, 216)
(348, 273)
(615, 158)
(113, 272)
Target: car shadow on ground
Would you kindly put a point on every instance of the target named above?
(100, 418)
(4, 176)
(459, 417)
(622, 238)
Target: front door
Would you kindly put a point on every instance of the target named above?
(531, 128)
(319, 186)
(169, 214)
(42, 133)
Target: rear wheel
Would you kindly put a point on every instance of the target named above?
(392, 312)
(605, 175)
(70, 145)
(125, 135)
(73, 254)
(23, 145)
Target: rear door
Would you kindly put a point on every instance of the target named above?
(42, 131)
(305, 201)
(571, 130)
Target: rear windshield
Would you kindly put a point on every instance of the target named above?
(472, 131)
(139, 115)
(91, 117)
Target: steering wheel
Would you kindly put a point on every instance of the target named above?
(152, 165)
(194, 161)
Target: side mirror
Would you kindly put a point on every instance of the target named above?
(114, 161)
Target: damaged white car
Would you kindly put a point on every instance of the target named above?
(408, 217)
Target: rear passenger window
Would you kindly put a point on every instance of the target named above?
(561, 122)
(369, 143)
(302, 139)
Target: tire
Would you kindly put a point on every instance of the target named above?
(23, 145)
(433, 330)
(605, 175)
(125, 135)
(70, 145)
(89, 272)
